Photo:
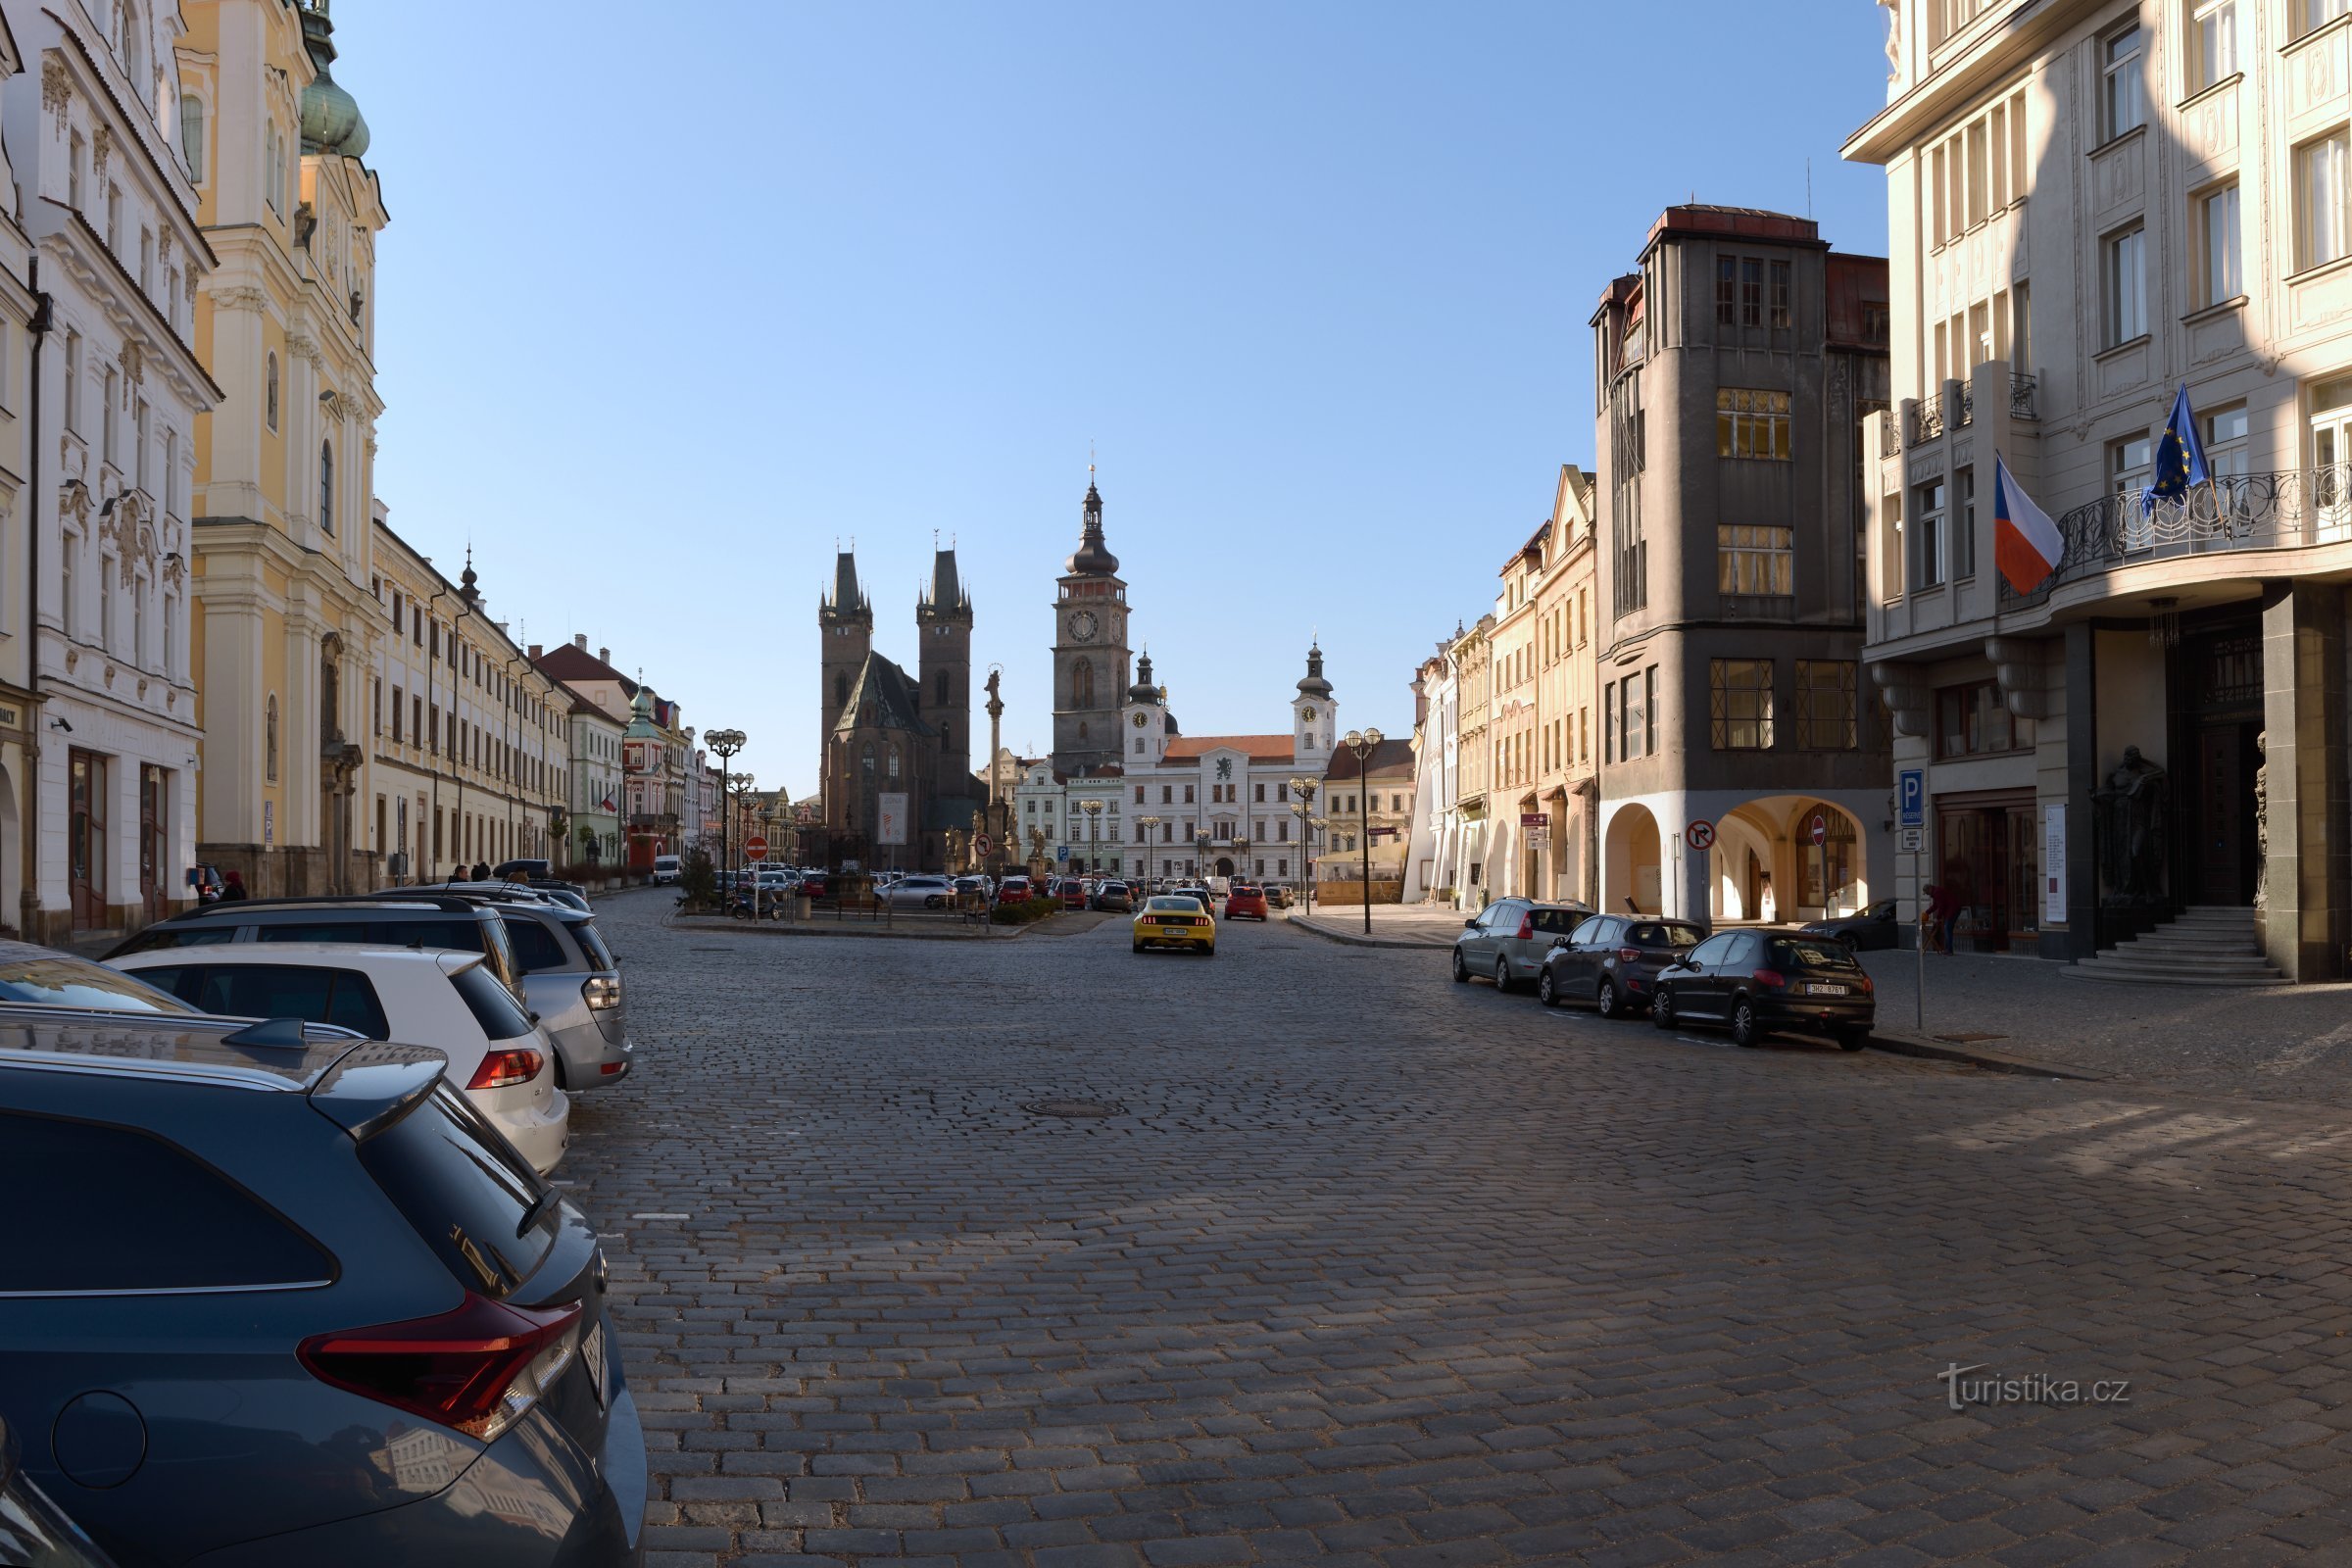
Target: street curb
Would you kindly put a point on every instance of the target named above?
(1977, 1056)
(772, 928)
(1355, 940)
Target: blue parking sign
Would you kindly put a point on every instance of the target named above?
(1062, 854)
(1914, 796)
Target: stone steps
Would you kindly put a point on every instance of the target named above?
(2206, 946)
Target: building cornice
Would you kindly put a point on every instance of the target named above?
(1953, 86)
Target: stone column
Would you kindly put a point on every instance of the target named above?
(2080, 940)
(2310, 859)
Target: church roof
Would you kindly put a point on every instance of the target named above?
(882, 698)
(1093, 558)
(1260, 748)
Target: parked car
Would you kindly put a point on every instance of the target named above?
(665, 870)
(1014, 890)
(1175, 920)
(1613, 961)
(405, 917)
(1246, 901)
(816, 885)
(299, 1303)
(571, 984)
(1869, 931)
(1757, 981)
(1508, 939)
(1195, 891)
(566, 893)
(448, 1000)
(916, 893)
(1115, 897)
(1072, 893)
(34, 1532)
(526, 868)
(34, 977)
(1278, 895)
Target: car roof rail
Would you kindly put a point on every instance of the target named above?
(447, 902)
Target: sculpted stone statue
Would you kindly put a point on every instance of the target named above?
(2130, 819)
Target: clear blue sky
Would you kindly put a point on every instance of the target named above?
(664, 309)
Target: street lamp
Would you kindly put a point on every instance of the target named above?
(1200, 871)
(726, 743)
(1305, 789)
(1362, 744)
(1093, 838)
(1147, 824)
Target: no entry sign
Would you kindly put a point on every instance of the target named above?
(756, 846)
(1818, 831)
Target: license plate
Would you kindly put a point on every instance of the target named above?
(1818, 990)
(599, 1376)
(1174, 931)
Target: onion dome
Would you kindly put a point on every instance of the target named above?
(1093, 558)
(1314, 685)
(1142, 691)
(331, 121)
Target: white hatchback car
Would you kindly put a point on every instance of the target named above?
(445, 1000)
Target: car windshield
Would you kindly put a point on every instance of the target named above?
(1791, 955)
(69, 983)
(1173, 906)
(1680, 938)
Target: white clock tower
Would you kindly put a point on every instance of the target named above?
(1315, 718)
(1090, 651)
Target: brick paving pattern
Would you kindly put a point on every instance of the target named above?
(1374, 1269)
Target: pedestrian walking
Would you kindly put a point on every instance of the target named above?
(233, 886)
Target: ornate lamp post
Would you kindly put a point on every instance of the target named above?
(726, 743)
(1362, 743)
(1147, 824)
(1305, 789)
(740, 785)
(1093, 838)
(1241, 854)
(1198, 872)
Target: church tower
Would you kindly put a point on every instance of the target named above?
(845, 627)
(944, 619)
(1315, 718)
(1090, 649)
(1146, 728)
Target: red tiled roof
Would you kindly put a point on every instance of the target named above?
(1259, 747)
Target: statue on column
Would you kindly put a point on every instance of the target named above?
(2130, 812)
(2262, 820)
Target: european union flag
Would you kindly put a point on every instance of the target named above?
(2180, 456)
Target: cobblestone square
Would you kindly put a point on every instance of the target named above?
(1369, 1268)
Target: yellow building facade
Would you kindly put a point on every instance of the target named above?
(290, 612)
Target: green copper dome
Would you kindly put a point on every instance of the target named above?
(331, 121)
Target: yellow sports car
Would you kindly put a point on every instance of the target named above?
(1170, 920)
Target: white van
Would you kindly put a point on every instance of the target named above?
(1221, 886)
(665, 868)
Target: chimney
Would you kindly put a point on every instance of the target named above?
(536, 650)
(579, 640)
(604, 655)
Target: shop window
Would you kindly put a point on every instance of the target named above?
(1973, 721)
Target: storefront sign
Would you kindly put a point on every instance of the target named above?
(2054, 864)
(11, 717)
(889, 826)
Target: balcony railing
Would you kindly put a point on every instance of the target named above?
(2293, 509)
(1890, 440)
(2021, 397)
(1927, 419)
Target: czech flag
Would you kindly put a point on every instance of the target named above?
(2026, 543)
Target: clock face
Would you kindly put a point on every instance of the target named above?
(1307, 713)
(1082, 626)
(1140, 721)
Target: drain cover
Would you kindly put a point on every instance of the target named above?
(1073, 1107)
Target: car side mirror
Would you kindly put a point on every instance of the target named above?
(1559, 942)
(1470, 924)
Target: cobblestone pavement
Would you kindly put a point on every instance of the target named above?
(1371, 1268)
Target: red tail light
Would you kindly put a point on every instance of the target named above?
(1863, 985)
(1770, 979)
(1629, 955)
(1526, 927)
(478, 1368)
(500, 1068)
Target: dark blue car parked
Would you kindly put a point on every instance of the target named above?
(274, 1296)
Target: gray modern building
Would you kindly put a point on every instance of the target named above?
(1744, 763)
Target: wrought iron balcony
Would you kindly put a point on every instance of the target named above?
(1927, 419)
(2021, 397)
(1890, 440)
(2292, 509)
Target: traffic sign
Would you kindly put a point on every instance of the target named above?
(1062, 854)
(1914, 793)
(1911, 839)
(1701, 834)
(756, 846)
(1819, 829)
(984, 844)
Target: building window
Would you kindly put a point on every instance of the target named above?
(2123, 101)
(326, 486)
(270, 391)
(192, 136)
(2315, 13)
(1726, 290)
(2219, 273)
(2126, 270)
(269, 740)
(1783, 312)
(2226, 442)
(2212, 42)
(1973, 721)
(2320, 168)
(1633, 712)
(1608, 721)
(1750, 424)
(78, 154)
(1926, 534)
(1752, 291)
(1826, 715)
(1740, 701)
(2130, 464)
(1753, 559)
(1188, 795)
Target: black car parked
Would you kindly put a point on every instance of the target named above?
(286, 1299)
(1869, 931)
(1758, 981)
(1614, 960)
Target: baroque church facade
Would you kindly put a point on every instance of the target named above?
(898, 787)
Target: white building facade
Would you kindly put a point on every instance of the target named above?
(91, 130)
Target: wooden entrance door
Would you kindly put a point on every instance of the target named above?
(153, 815)
(2222, 869)
(85, 839)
